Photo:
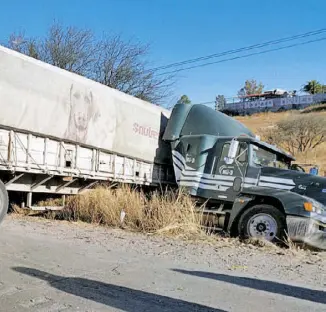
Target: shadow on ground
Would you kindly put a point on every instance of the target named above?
(317, 296)
(126, 299)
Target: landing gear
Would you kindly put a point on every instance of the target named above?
(263, 221)
(4, 201)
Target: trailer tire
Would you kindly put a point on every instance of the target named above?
(263, 221)
(4, 201)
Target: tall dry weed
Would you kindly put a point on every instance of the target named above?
(172, 212)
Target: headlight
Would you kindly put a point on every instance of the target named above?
(313, 206)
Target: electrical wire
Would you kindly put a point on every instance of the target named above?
(255, 46)
(243, 56)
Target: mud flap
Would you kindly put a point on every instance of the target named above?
(308, 231)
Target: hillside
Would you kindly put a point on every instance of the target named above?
(316, 156)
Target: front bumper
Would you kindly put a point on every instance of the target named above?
(310, 231)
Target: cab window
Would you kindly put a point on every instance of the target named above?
(242, 154)
(265, 158)
(225, 151)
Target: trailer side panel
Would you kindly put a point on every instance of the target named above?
(46, 100)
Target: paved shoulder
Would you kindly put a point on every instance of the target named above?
(50, 266)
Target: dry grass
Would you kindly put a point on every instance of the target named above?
(170, 213)
(315, 108)
(19, 211)
(51, 202)
(264, 120)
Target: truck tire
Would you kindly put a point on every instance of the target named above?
(263, 221)
(4, 201)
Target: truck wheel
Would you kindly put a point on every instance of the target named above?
(263, 221)
(4, 201)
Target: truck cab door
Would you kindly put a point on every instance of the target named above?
(231, 177)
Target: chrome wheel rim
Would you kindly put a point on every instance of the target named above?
(262, 226)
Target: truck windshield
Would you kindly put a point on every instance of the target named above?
(264, 158)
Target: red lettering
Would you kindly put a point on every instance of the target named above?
(145, 131)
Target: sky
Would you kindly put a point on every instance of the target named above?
(178, 30)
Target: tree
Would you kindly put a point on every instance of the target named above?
(121, 65)
(251, 87)
(313, 87)
(69, 48)
(297, 134)
(184, 99)
(18, 43)
(112, 61)
(220, 102)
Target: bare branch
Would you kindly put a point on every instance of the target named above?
(122, 65)
(299, 133)
(69, 48)
(112, 61)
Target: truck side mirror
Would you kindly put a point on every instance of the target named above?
(229, 160)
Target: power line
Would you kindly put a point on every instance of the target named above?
(244, 56)
(255, 46)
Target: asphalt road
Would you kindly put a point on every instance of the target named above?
(51, 268)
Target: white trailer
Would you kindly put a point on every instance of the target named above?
(61, 133)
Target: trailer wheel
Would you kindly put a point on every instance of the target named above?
(263, 221)
(4, 201)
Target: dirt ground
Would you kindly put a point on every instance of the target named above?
(59, 266)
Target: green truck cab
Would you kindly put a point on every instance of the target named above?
(247, 185)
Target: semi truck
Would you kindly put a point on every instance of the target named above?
(61, 133)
